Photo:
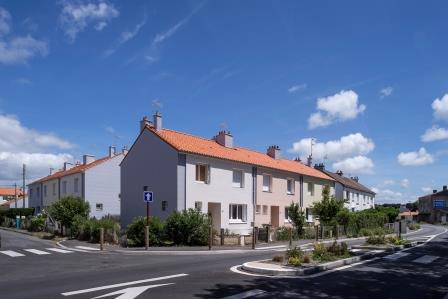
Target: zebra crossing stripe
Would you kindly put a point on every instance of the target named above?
(88, 248)
(426, 259)
(59, 250)
(38, 252)
(248, 294)
(396, 256)
(12, 253)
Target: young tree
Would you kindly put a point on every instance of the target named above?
(65, 210)
(328, 207)
(297, 216)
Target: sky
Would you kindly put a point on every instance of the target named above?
(366, 83)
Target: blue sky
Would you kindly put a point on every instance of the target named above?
(365, 80)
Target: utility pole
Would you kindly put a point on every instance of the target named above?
(23, 190)
(15, 194)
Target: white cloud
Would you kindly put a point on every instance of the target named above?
(440, 107)
(347, 146)
(19, 144)
(418, 158)
(426, 189)
(296, 88)
(387, 195)
(125, 37)
(434, 133)
(38, 164)
(342, 106)
(5, 21)
(17, 49)
(14, 137)
(388, 183)
(386, 91)
(355, 165)
(76, 17)
(404, 183)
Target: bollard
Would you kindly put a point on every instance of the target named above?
(316, 228)
(253, 237)
(146, 237)
(101, 238)
(0, 240)
(222, 236)
(399, 230)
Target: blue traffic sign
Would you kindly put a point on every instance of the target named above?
(148, 196)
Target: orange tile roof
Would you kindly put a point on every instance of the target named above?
(8, 191)
(409, 213)
(187, 143)
(73, 170)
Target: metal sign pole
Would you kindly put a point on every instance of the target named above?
(147, 213)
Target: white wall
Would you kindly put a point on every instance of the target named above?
(50, 197)
(358, 205)
(102, 185)
(220, 189)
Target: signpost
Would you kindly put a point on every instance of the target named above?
(148, 196)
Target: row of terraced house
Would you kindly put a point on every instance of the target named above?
(238, 187)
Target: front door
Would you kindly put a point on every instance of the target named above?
(275, 215)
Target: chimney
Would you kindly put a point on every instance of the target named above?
(224, 138)
(112, 150)
(67, 165)
(355, 178)
(274, 151)
(125, 150)
(144, 122)
(434, 191)
(309, 161)
(319, 166)
(158, 121)
(444, 188)
(339, 172)
(51, 170)
(297, 159)
(86, 159)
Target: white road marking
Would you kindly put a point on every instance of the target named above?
(59, 250)
(121, 284)
(247, 294)
(38, 252)
(131, 293)
(12, 253)
(88, 248)
(426, 259)
(271, 247)
(396, 256)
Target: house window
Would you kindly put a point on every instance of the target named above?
(54, 188)
(357, 198)
(45, 190)
(267, 183)
(287, 214)
(198, 205)
(38, 192)
(99, 206)
(31, 192)
(265, 210)
(64, 187)
(310, 189)
(76, 184)
(237, 181)
(258, 209)
(202, 173)
(309, 214)
(347, 194)
(290, 186)
(237, 213)
(145, 188)
(164, 205)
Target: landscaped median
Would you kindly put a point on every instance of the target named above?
(298, 262)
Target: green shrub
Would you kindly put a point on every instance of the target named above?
(13, 212)
(413, 226)
(376, 240)
(283, 232)
(295, 261)
(294, 252)
(340, 249)
(395, 240)
(189, 227)
(37, 223)
(67, 208)
(136, 231)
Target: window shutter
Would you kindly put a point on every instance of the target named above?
(244, 218)
(208, 174)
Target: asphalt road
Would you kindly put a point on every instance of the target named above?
(417, 273)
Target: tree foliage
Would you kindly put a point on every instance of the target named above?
(66, 209)
(297, 216)
(390, 211)
(189, 227)
(327, 208)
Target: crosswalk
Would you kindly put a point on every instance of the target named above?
(417, 259)
(31, 251)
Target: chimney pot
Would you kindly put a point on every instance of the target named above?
(339, 172)
(274, 151)
(434, 191)
(86, 159)
(125, 150)
(158, 121)
(112, 151)
(224, 138)
(144, 122)
(444, 188)
(67, 165)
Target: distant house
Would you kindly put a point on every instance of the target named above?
(357, 197)
(8, 197)
(237, 186)
(434, 207)
(96, 181)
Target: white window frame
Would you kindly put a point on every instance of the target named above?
(312, 191)
(241, 183)
(258, 209)
(265, 210)
(64, 187)
(54, 189)
(76, 185)
(100, 208)
(287, 219)
(269, 187)
(45, 190)
(241, 210)
(206, 174)
(198, 206)
(293, 187)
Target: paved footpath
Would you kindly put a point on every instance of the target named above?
(420, 274)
